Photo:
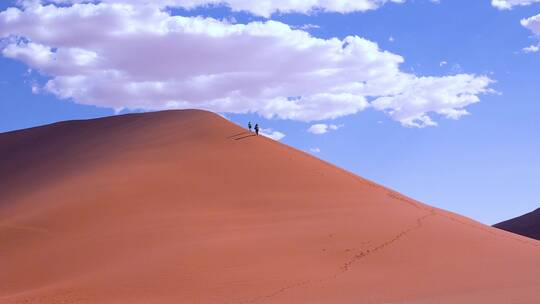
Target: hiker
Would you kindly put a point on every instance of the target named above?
(249, 126)
(257, 129)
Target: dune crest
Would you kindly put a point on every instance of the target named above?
(186, 207)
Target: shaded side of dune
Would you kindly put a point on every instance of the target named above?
(527, 225)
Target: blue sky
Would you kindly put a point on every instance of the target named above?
(484, 165)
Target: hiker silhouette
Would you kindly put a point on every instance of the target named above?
(257, 129)
(249, 126)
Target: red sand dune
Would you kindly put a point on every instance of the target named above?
(527, 225)
(185, 207)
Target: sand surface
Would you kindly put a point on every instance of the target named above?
(527, 225)
(185, 207)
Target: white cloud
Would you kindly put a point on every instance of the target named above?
(443, 63)
(532, 23)
(307, 27)
(322, 128)
(275, 135)
(531, 49)
(31, 53)
(35, 88)
(315, 150)
(508, 4)
(121, 55)
(411, 106)
(263, 8)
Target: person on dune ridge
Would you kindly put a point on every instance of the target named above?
(256, 129)
(249, 126)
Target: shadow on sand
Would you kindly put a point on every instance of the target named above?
(242, 133)
(239, 138)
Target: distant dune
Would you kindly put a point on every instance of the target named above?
(186, 207)
(527, 225)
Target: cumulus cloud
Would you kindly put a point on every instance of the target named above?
(263, 8)
(315, 150)
(135, 56)
(508, 4)
(275, 135)
(532, 23)
(531, 49)
(411, 106)
(322, 128)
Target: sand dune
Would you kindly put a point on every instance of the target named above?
(185, 207)
(527, 225)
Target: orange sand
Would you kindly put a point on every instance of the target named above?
(184, 207)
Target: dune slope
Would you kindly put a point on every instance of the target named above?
(186, 207)
(527, 225)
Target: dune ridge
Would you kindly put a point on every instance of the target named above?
(186, 207)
